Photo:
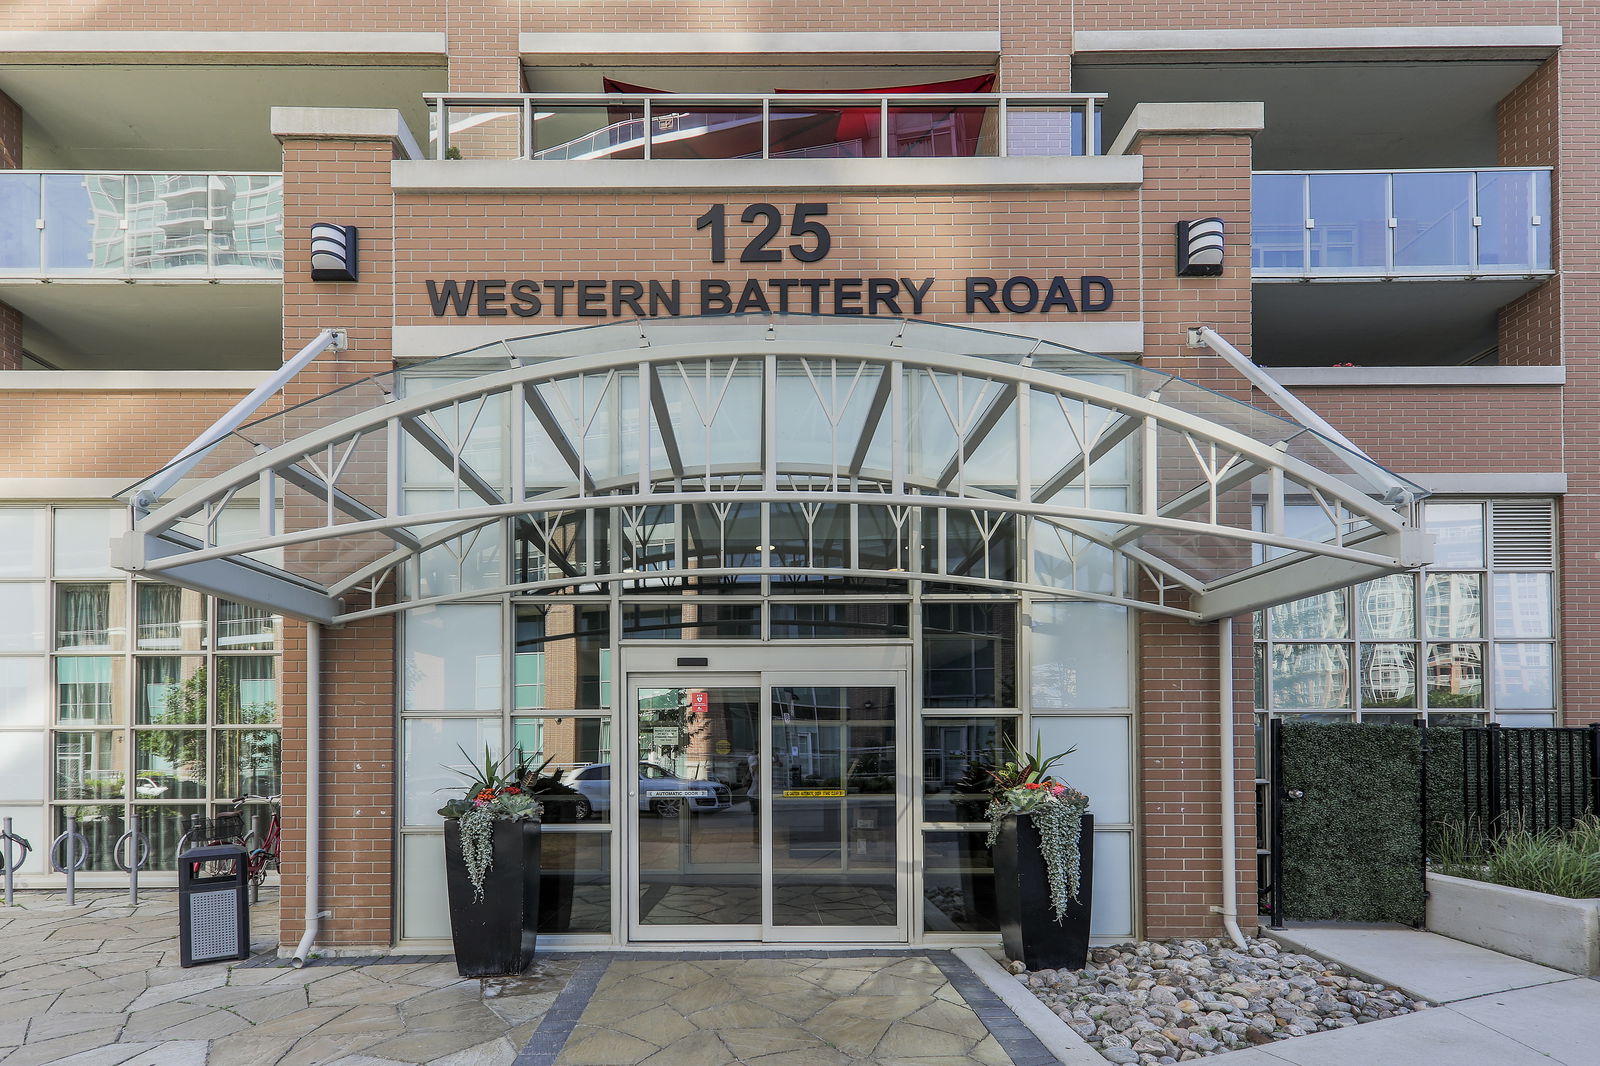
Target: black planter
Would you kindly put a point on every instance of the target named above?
(494, 937)
(1028, 925)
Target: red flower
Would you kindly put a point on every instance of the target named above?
(485, 796)
(1032, 784)
(511, 790)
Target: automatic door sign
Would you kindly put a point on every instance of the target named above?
(699, 701)
(675, 793)
(811, 793)
(663, 737)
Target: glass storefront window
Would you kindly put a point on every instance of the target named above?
(169, 690)
(1523, 605)
(1453, 606)
(1457, 529)
(24, 691)
(453, 657)
(22, 531)
(83, 541)
(173, 760)
(90, 617)
(562, 657)
(247, 690)
(432, 751)
(24, 625)
(1310, 675)
(241, 627)
(969, 653)
(958, 883)
(1387, 607)
(1324, 617)
(575, 883)
(957, 756)
(573, 755)
(87, 688)
(248, 762)
(838, 621)
(1079, 656)
(1524, 676)
(1388, 675)
(169, 619)
(1455, 675)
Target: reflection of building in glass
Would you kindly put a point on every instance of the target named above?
(188, 223)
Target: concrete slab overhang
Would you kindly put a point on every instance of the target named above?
(664, 454)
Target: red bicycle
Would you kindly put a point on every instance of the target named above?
(228, 828)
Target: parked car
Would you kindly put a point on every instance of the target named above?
(660, 792)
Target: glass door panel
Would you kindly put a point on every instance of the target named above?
(835, 813)
(698, 835)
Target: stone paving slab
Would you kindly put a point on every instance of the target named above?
(100, 984)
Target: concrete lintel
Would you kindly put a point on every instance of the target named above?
(1352, 43)
(623, 175)
(1102, 338)
(1242, 116)
(1336, 377)
(674, 48)
(345, 124)
(131, 380)
(85, 489)
(1480, 483)
(224, 48)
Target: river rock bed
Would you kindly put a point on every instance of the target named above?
(1164, 1002)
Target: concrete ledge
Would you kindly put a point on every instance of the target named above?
(1102, 338)
(623, 175)
(1356, 43)
(130, 380)
(1549, 930)
(222, 48)
(773, 49)
(1236, 117)
(1059, 1038)
(1482, 484)
(345, 124)
(1340, 377)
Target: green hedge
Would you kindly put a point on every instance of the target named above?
(1352, 846)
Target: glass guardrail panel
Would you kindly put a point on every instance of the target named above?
(168, 217)
(490, 130)
(1034, 131)
(248, 234)
(1433, 221)
(1508, 202)
(19, 216)
(83, 231)
(1278, 223)
(1349, 214)
(932, 130)
(692, 131)
(588, 131)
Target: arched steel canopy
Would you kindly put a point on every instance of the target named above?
(740, 454)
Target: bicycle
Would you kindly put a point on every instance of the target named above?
(228, 828)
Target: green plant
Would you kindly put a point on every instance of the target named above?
(1022, 786)
(452, 152)
(494, 792)
(1559, 862)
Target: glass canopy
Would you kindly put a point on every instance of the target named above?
(699, 455)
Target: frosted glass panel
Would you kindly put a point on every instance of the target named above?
(23, 619)
(22, 767)
(1100, 768)
(24, 692)
(1112, 910)
(27, 823)
(453, 658)
(83, 541)
(1080, 656)
(432, 752)
(425, 906)
(22, 532)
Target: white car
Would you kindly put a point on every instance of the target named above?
(659, 791)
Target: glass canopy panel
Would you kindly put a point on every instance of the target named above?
(892, 447)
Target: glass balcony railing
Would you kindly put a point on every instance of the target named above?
(57, 224)
(571, 126)
(1400, 223)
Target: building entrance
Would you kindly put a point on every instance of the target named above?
(769, 803)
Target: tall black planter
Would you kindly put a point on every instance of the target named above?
(1028, 925)
(494, 937)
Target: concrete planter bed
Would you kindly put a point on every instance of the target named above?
(1550, 930)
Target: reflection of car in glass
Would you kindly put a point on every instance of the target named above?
(149, 788)
(660, 792)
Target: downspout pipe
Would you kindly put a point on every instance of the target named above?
(1230, 850)
(313, 845)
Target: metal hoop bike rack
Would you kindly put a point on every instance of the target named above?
(131, 853)
(68, 854)
(8, 839)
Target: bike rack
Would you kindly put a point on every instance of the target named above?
(8, 838)
(137, 848)
(77, 854)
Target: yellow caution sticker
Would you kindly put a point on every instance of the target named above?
(810, 793)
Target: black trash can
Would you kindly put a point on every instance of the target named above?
(213, 910)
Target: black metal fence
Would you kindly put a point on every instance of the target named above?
(1534, 779)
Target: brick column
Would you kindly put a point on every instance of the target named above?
(1529, 120)
(1193, 173)
(1035, 46)
(336, 169)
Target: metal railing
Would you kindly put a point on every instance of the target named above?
(1534, 779)
(573, 126)
(1487, 222)
(132, 225)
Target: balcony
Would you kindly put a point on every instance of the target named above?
(1391, 225)
(140, 226)
(588, 126)
(1394, 267)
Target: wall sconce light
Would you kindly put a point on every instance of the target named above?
(333, 252)
(1200, 248)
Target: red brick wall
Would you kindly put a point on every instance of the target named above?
(1187, 177)
(129, 434)
(1529, 120)
(10, 338)
(347, 182)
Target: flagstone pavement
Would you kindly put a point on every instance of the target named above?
(99, 984)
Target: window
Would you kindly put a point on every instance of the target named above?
(1470, 637)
